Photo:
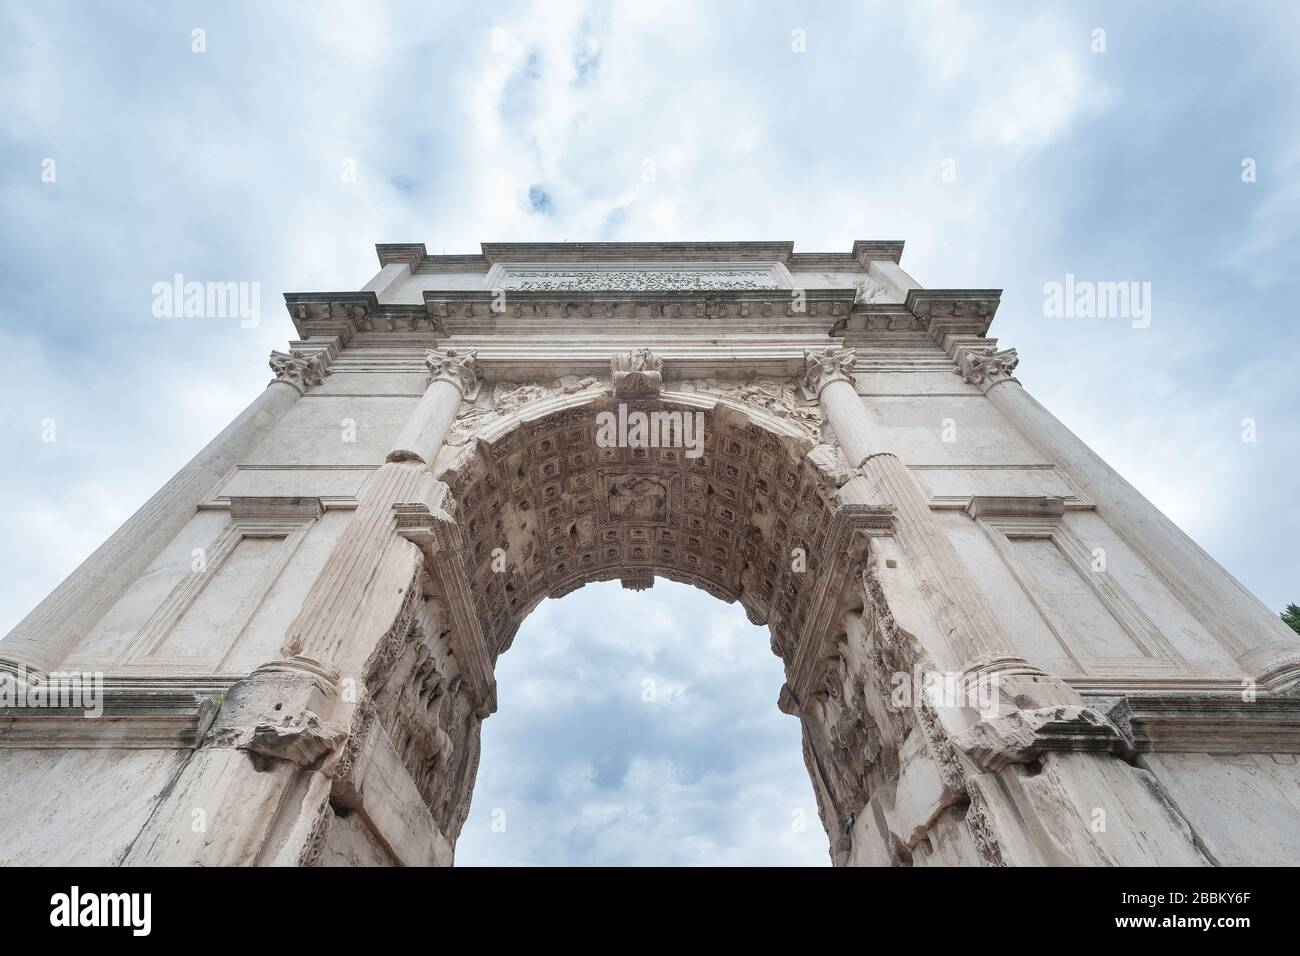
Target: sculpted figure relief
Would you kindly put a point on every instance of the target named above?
(418, 697)
(507, 399)
(638, 372)
(638, 498)
(776, 398)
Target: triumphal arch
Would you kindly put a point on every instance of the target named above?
(999, 652)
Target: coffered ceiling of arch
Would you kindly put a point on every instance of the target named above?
(565, 512)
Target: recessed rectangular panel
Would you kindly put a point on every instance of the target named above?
(1070, 604)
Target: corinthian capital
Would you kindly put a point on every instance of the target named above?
(299, 369)
(458, 366)
(985, 367)
(821, 367)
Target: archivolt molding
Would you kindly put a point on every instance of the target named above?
(507, 402)
(542, 509)
(773, 404)
(776, 398)
(556, 510)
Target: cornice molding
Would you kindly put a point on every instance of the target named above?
(686, 304)
(625, 251)
(346, 313)
(416, 255)
(408, 253)
(831, 310)
(954, 311)
(137, 717)
(889, 251)
(1022, 735)
(1204, 722)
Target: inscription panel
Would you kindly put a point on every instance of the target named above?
(624, 277)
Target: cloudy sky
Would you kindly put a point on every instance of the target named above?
(1004, 145)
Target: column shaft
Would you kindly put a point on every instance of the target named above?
(422, 435)
(843, 409)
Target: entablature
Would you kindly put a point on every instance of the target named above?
(947, 317)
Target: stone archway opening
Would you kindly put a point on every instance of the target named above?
(638, 728)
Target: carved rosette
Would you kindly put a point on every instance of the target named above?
(985, 367)
(298, 368)
(637, 373)
(822, 367)
(457, 366)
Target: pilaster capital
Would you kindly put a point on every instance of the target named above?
(986, 366)
(299, 368)
(457, 366)
(824, 366)
(637, 372)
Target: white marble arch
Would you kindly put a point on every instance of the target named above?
(991, 642)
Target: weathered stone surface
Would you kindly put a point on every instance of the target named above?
(922, 792)
(1236, 804)
(948, 842)
(1025, 734)
(299, 738)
